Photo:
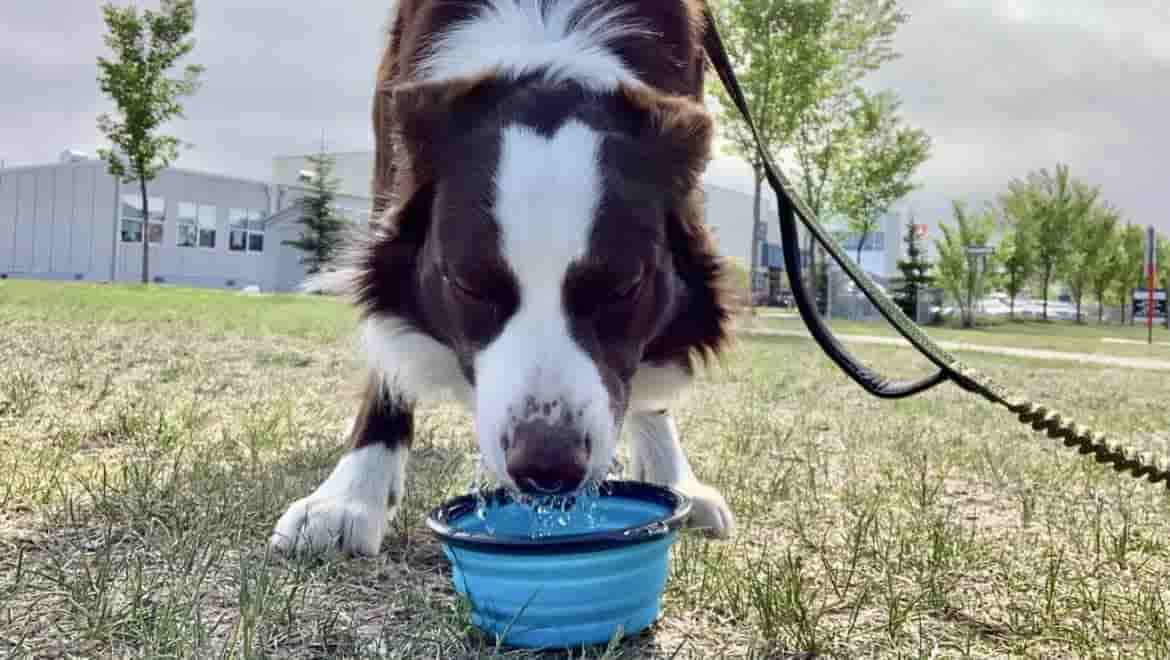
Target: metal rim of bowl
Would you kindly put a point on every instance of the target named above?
(677, 504)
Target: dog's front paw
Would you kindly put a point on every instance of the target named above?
(709, 511)
(347, 513)
(323, 524)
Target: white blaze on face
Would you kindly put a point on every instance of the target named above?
(547, 192)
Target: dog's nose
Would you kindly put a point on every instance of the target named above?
(546, 459)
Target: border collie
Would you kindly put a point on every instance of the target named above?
(537, 251)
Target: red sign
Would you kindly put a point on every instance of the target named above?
(921, 231)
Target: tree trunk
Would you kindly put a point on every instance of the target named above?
(1012, 293)
(812, 284)
(1079, 319)
(1047, 277)
(755, 252)
(145, 233)
(1100, 308)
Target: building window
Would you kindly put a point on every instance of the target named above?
(206, 226)
(246, 230)
(196, 225)
(131, 219)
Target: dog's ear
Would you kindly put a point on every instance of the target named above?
(673, 132)
(675, 135)
(414, 121)
(423, 115)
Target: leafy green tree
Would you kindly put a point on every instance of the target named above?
(915, 270)
(1017, 265)
(1128, 274)
(777, 46)
(1103, 273)
(1017, 252)
(137, 77)
(800, 63)
(883, 156)
(1053, 206)
(955, 273)
(323, 225)
(1088, 248)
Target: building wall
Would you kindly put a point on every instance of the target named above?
(56, 222)
(63, 221)
(729, 215)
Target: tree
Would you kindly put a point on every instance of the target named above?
(323, 224)
(799, 63)
(1103, 273)
(145, 46)
(1053, 206)
(883, 155)
(962, 282)
(777, 45)
(860, 39)
(1089, 240)
(1128, 274)
(1017, 264)
(915, 269)
(1017, 252)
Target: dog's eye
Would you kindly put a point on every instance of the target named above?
(462, 287)
(628, 289)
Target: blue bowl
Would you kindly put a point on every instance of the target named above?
(578, 584)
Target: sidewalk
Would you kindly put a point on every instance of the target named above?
(951, 346)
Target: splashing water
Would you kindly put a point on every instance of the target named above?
(548, 515)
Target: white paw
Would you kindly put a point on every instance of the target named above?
(709, 511)
(348, 512)
(326, 524)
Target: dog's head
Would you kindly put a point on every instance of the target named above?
(550, 241)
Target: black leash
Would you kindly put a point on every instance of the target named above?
(791, 207)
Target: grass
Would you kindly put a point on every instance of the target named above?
(150, 439)
(1046, 335)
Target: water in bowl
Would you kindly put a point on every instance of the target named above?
(539, 516)
(551, 515)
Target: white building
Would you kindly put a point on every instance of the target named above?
(71, 220)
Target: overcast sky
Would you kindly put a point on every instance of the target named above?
(1002, 87)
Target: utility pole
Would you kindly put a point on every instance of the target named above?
(1151, 266)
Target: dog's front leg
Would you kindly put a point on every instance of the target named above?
(658, 457)
(349, 511)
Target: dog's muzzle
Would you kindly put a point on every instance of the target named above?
(547, 459)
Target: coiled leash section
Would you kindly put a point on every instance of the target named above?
(1139, 465)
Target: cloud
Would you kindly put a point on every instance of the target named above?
(1002, 87)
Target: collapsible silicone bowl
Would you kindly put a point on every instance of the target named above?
(576, 586)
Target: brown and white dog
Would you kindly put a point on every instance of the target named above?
(539, 251)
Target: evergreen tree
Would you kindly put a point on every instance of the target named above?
(323, 223)
(915, 269)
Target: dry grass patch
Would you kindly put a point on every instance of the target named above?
(149, 443)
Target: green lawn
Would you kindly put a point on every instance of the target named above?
(149, 439)
(1047, 335)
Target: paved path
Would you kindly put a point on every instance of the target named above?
(1035, 353)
